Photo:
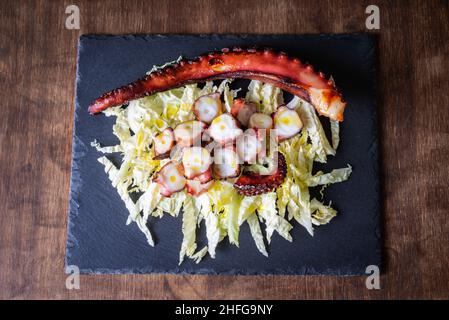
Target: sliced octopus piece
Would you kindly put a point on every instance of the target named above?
(206, 108)
(224, 129)
(205, 176)
(248, 146)
(163, 143)
(287, 123)
(171, 178)
(260, 121)
(242, 110)
(226, 162)
(196, 161)
(189, 133)
(195, 187)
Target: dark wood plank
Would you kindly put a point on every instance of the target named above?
(37, 72)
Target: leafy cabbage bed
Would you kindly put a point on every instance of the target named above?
(221, 207)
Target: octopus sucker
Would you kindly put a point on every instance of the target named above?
(290, 75)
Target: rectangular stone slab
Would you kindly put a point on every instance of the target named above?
(98, 240)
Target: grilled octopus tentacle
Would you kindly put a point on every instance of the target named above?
(251, 184)
(288, 73)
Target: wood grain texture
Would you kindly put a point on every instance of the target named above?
(37, 72)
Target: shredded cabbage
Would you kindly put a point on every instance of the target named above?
(213, 232)
(336, 175)
(274, 222)
(248, 206)
(256, 233)
(266, 96)
(322, 214)
(320, 144)
(189, 218)
(335, 131)
(221, 208)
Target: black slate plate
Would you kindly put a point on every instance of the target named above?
(99, 241)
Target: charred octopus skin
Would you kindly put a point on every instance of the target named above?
(288, 73)
(252, 184)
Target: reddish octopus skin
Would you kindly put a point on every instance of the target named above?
(252, 184)
(288, 73)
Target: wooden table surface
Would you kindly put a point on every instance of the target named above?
(37, 73)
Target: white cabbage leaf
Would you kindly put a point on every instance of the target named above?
(256, 233)
(248, 207)
(336, 175)
(266, 96)
(199, 255)
(232, 224)
(108, 149)
(274, 222)
(322, 214)
(213, 232)
(314, 128)
(335, 131)
(189, 219)
(122, 186)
